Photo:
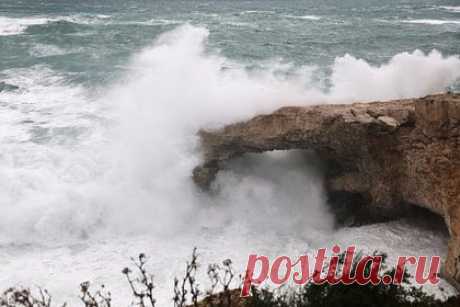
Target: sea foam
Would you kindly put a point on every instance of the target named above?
(15, 26)
(81, 176)
(89, 180)
(432, 21)
(455, 9)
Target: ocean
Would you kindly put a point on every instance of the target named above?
(100, 102)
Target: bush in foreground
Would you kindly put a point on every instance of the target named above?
(187, 292)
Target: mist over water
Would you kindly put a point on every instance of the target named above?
(133, 147)
(99, 141)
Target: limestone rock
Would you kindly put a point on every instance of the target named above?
(394, 152)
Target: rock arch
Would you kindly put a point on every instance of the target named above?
(394, 152)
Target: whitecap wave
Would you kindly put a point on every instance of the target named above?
(103, 16)
(43, 50)
(15, 26)
(304, 17)
(256, 12)
(154, 22)
(432, 21)
(85, 19)
(240, 24)
(455, 9)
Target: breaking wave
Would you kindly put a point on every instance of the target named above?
(305, 17)
(432, 21)
(455, 9)
(15, 26)
(75, 164)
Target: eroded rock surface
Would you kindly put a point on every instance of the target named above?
(395, 152)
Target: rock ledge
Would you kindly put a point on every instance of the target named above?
(390, 153)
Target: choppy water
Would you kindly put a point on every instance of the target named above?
(90, 41)
(101, 101)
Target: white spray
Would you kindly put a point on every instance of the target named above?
(130, 171)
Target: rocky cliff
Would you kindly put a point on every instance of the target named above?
(389, 153)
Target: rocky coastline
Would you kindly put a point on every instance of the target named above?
(386, 154)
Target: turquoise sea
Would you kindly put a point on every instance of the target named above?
(100, 102)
